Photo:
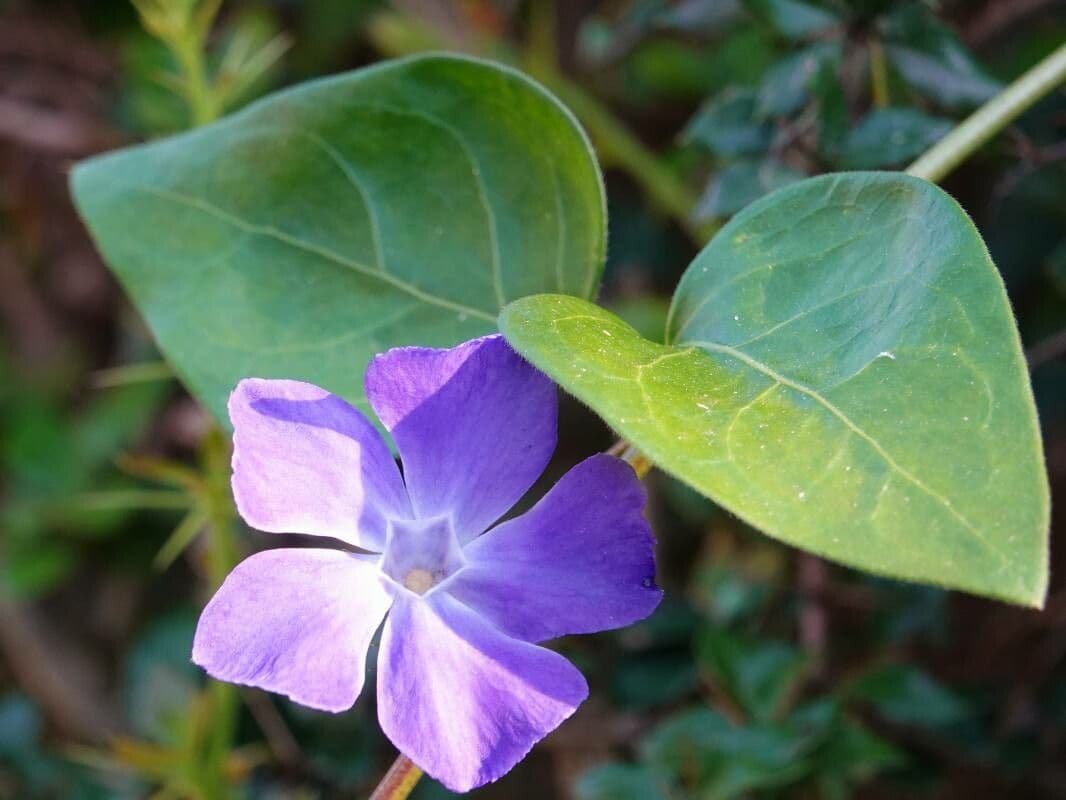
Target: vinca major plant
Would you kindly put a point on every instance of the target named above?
(840, 368)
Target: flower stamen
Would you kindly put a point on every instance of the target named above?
(419, 581)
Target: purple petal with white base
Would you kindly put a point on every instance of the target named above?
(305, 461)
(475, 427)
(297, 622)
(581, 560)
(460, 699)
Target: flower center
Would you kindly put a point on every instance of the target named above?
(419, 554)
(419, 581)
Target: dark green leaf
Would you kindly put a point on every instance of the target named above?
(759, 675)
(724, 760)
(621, 782)
(931, 58)
(161, 680)
(404, 203)
(726, 125)
(32, 566)
(20, 725)
(740, 184)
(793, 18)
(888, 137)
(649, 680)
(784, 87)
(844, 373)
(647, 315)
(908, 696)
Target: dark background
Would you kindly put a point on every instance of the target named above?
(766, 672)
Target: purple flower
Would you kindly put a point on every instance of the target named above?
(463, 689)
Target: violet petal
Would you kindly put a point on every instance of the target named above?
(305, 461)
(475, 427)
(462, 700)
(581, 560)
(297, 622)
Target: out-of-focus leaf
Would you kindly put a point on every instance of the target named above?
(342, 746)
(931, 58)
(725, 595)
(114, 418)
(148, 104)
(760, 675)
(20, 725)
(327, 27)
(888, 137)
(161, 680)
(646, 314)
(691, 506)
(648, 680)
(32, 566)
(854, 753)
(908, 696)
(282, 241)
(741, 183)
(28, 770)
(722, 760)
(794, 18)
(832, 108)
(1026, 224)
(784, 88)
(906, 610)
(621, 782)
(699, 16)
(666, 68)
(727, 126)
(672, 624)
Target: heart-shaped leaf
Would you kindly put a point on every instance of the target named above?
(844, 373)
(405, 203)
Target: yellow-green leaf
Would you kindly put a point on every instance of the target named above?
(843, 372)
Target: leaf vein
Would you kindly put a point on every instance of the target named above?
(271, 232)
(479, 181)
(910, 477)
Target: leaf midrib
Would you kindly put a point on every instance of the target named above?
(206, 207)
(835, 410)
(753, 363)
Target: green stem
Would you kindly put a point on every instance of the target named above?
(222, 556)
(991, 118)
(222, 550)
(189, 51)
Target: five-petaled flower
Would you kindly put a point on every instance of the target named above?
(463, 688)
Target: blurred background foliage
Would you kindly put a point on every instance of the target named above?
(766, 673)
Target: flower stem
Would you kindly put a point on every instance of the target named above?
(991, 118)
(640, 463)
(398, 781)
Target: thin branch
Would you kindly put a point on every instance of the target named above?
(991, 118)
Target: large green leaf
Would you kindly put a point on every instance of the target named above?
(405, 203)
(844, 373)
